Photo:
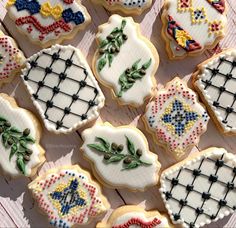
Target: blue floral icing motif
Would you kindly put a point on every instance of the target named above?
(31, 5)
(69, 16)
(69, 197)
(179, 118)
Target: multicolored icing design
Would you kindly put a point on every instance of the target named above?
(134, 216)
(21, 153)
(47, 21)
(176, 118)
(191, 26)
(216, 83)
(120, 157)
(201, 189)
(63, 88)
(130, 77)
(135, 7)
(68, 196)
(11, 59)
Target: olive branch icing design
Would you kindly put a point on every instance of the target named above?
(113, 153)
(110, 46)
(17, 141)
(130, 75)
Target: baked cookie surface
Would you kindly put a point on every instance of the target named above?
(48, 22)
(192, 26)
(63, 88)
(215, 82)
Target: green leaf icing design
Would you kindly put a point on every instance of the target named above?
(110, 47)
(131, 75)
(114, 153)
(17, 141)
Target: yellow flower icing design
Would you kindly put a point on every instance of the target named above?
(47, 10)
(11, 2)
(182, 37)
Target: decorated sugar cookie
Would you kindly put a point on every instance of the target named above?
(200, 189)
(11, 59)
(125, 61)
(135, 216)
(192, 26)
(63, 88)
(20, 132)
(47, 22)
(135, 7)
(120, 157)
(176, 118)
(216, 83)
(68, 196)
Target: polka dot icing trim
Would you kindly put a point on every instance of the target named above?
(176, 118)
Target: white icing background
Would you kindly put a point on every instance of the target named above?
(16, 204)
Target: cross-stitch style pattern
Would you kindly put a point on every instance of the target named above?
(68, 197)
(66, 93)
(176, 118)
(44, 21)
(201, 190)
(128, 3)
(217, 84)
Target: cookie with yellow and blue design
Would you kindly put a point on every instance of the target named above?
(192, 26)
(176, 118)
(47, 22)
(68, 196)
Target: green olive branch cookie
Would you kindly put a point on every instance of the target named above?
(111, 45)
(113, 153)
(130, 75)
(17, 141)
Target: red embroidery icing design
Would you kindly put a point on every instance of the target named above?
(11, 65)
(139, 222)
(68, 1)
(43, 29)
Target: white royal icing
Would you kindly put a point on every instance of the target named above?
(222, 199)
(68, 196)
(60, 18)
(220, 93)
(20, 119)
(114, 174)
(132, 50)
(176, 118)
(11, 58)
(72, 91)
(185, 13)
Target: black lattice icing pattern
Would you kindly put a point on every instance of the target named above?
(62, 87)
(220, 84)
(200, 191)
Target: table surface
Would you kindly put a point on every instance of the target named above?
(17, 208)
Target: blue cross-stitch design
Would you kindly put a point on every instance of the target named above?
(179, 117)
(69, 197)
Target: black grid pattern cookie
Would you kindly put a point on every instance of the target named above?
(202, 189)
(216, 84)
(63, 88)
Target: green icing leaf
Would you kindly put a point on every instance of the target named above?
(147, 64)
(101, 63)
(115, 158)
(110, 59)
(123, 24)
(13, 151)
(130, 145)
(103, 43)
(132, 165)
(104, 142)
(20, 163)
(135, 65)
(14, 130)
(29, 139)
(97, 147)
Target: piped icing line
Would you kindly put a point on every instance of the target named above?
(117, 155)
(203, 176)
(11, 59)
(20, 134)
(129, 216)
(67, 101)
(215, 82)
(199, 21)
(175, 118)
(61, 21)
(68, 196)
(131, 78)
(134, 7)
